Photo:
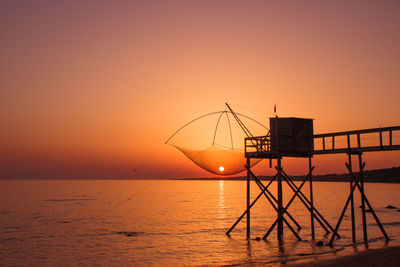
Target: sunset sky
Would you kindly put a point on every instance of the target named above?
(92, 89)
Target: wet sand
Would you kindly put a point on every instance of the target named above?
(388, 257)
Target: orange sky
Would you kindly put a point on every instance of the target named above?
(91, 89)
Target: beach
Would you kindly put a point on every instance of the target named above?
(388, 256)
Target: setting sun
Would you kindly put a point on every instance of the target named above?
(184, 132)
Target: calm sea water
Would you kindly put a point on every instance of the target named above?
(125, 223)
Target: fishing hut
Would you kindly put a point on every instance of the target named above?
(294, 137)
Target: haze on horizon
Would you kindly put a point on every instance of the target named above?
(93, 89)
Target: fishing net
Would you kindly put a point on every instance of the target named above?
(215, 141)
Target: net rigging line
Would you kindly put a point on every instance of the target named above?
(217, 158)
(137, 192)
(134, 194)
(209, 114)
(114, 183)
(216, 128)
(234, 153)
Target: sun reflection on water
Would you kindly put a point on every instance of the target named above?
(221, 199)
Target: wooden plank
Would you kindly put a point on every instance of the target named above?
(364, 131)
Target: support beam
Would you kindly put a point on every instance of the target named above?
(364, 198)
(251, 205)
(361, 179)
(248, 201)
(260, 147)
(270, 196)
(280, 199)
(341, 217)
(307, 204)
(353, 221)
(310, 168)
(370, 207)
(276, 209)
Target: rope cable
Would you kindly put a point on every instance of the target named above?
(138, 192)
(216, 127)
(230, 128)
(116, 181)
(209, 114)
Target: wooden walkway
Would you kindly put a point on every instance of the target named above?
(352, 143)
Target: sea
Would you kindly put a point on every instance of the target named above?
(177, 223)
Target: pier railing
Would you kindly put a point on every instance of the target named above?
(258, 144)
(374, 139)
(353, 142)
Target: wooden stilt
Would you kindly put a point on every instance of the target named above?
(270, 229)
(311, 199)
(244, 213)
(271, 196)
(369, 206)
(280, 206)
(320, 219)
(361, 179)
(353, 222)
(251, 205)
(275, 201)
(364, 198)
(269, 147)
(248, 201)
(341, 216)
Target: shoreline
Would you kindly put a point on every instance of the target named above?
(380, 257)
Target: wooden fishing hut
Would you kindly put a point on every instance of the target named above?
(294, 137)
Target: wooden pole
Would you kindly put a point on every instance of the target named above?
(270, 196)
(280, 206)
(243, 214)
(369, 205)
(353, 222)
(251, 205)
(270, 230)
(306, 202)
(361, 179)
(248, 200)
(260, 185)
(311, 199)
(341, 217)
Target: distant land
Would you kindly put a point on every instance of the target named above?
(389, 175)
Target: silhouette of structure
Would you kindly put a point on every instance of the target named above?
(293, 137)
(221, 150)
(358, 182)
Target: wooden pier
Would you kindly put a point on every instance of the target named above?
(293, 137)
